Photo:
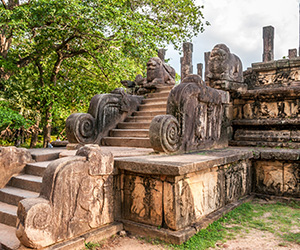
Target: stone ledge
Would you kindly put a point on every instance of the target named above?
(93, 235)
(264, 122)
(176, 165)
(180, 236)
(249, 144)
(273, 65)
(291, 92)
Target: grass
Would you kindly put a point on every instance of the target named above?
(279, 219)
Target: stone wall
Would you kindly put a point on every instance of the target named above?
(268, 113)
(175, 201)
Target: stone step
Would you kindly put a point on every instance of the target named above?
(162, 94)
(139, 119)
(26, 182)
(133, 125)
(8, 214)
(13, 195)
(129, 133)
(37, 168)
(45, 154)
(8, 238)
(149, 113)
(163, 88)
(155, 100)
(126, 142)
(153, 107)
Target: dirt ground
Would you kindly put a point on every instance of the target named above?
(254, 240)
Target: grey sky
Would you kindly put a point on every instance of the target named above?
(239, 25)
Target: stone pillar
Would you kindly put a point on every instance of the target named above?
(292, 53)
(206, 57)
(268, 36)
(186, 60)
(200, 69)
(162, 54)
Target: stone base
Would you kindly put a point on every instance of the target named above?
(93, 235)
(180, 236)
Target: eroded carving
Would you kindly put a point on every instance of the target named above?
(224, 70)
(194, 120)
(105, 112)
(158, 73)
(74, 198)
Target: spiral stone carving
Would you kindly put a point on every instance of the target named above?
(81, 127)
(164, 133)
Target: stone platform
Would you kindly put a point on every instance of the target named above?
(172, 197)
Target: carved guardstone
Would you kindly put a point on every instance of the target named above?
(76, 196)
(224, 69)
(193, 121)
(105, 112)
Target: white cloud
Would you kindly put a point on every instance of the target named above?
(239, 25)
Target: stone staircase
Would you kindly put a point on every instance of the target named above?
(134, 131)
(24, 185)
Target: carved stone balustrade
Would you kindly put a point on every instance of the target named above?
(76, 196)
(194, 120)
(105, 112)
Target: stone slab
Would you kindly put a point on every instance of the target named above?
(116, 151)
(180, 236)
(176, 165)
(8, 238)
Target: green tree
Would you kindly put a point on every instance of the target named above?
(64, 51)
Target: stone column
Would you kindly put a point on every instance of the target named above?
(268, 36)
(162, 54)
(200, 69)
(292, 53)
(186, 60)
(206, 57)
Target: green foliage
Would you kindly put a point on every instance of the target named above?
(12, 119)
(60, 53)
(91, 245)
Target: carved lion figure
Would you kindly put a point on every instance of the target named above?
(159, 72)
(223, 65)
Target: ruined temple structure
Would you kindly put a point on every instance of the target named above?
(171, 160)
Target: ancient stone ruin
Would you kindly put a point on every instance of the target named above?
(190, 153)
(194, 118)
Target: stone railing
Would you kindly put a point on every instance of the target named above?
(12, 162)
(76, 196)
(194, 118)
(105, 112)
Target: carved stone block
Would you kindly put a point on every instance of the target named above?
(194, 118)
(105, 112)
(12, 162)
(76, 196)
(225, 70)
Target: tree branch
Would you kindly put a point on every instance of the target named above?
(4, 5)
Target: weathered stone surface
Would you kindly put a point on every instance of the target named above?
(176, 202)
(268, 37)
(142, 201)
(292, 53)
(223, 66)
(75, 197)
(269, 177)
(158, 74)
(194, 120)
(12, 162)
(105, 112)
(186, 61)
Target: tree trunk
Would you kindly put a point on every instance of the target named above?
(47, 127)
(35, 134)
